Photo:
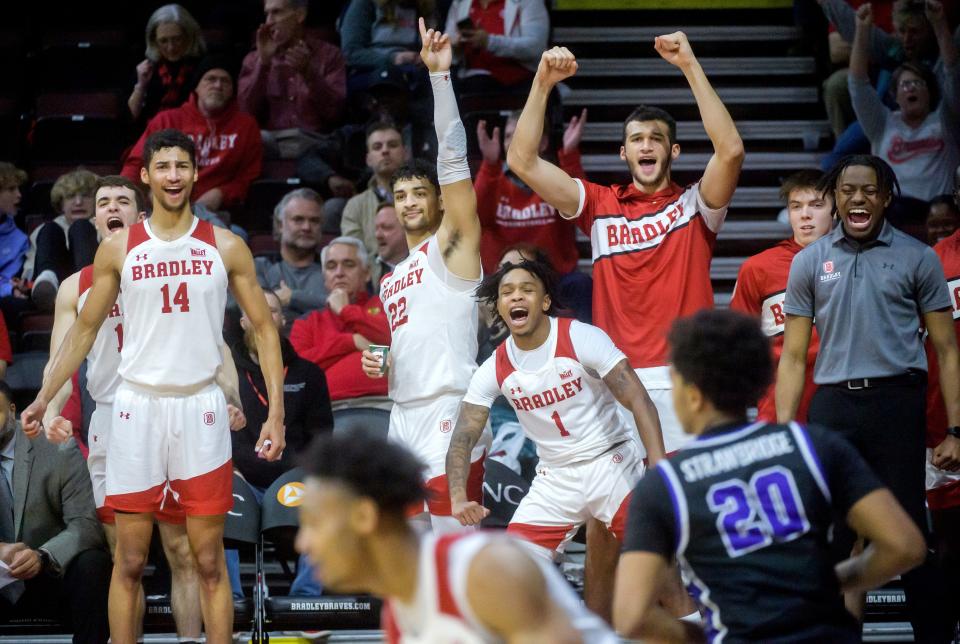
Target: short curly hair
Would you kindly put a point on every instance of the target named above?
(726, 355)
(79, 181)
(371, 467)
(488, 292)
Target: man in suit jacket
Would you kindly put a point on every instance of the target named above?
(50, 538)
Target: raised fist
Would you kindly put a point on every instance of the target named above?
(556, 64)
(675, 49)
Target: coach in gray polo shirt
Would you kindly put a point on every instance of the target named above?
(868, 287)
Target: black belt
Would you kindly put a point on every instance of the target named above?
(910, 378)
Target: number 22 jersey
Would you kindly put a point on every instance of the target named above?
(747, 511)
(174, 294)
(433, 318)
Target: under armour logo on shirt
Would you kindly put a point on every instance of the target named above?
(144, 257)
(515, 391)
(125, 415)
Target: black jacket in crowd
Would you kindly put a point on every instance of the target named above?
(306, 403)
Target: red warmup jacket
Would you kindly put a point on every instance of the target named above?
(327, 340)
(229, 150)
(511, 213)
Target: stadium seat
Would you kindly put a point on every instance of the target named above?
(242, 532)
(91, 104)
(75, 139)
(361, 419)
(26, 373)
(82, 60)
(33, 221)
(263, 245)
(262, 197)
(279, 522)
(279, 169)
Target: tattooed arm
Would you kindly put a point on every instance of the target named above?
(630, 392)
(470, 424)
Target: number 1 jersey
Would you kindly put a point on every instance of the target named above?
(174, 294)
(747, 512)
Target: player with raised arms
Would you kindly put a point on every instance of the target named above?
(170, 432)
(429, 297)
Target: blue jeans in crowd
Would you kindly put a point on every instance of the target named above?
(304, 584)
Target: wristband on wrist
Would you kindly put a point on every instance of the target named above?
(954, 431)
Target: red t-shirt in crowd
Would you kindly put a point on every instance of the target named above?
(327, 340)
(504, 70)
(651, 262)
(761, 286)
(510, 213)
(229, 149)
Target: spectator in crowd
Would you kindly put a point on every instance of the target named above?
(391, 244)
(762, 280)
(681, 510)
(380, 33)
(381, 44)
(335, 336)
(921, 139)
(50, 538)
(229, 150)
(14, 243)
(68, 243)
(385, 153)
(307, 415)
(871, 371)
(943, 218)
(912, 41)
(296, 278)
(498, 43)
(174, 47)
(511, 212)
(293, 79)
(836, 96)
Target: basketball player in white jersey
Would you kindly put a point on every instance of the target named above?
(119, 204)
(169, 432)
(468, 588)
(429, 296)
(564, 379)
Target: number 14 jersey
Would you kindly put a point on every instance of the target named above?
(174, 294)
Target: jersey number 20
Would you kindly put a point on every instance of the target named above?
(751, 516)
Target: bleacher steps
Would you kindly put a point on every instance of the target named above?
(734, 66)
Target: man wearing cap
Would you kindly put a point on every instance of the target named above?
(229, 151)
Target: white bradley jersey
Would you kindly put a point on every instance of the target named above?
(562, 403)
(440, 612)
(174, 297)
(103, 361)
(433, 323)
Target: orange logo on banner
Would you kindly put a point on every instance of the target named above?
(291, 494)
